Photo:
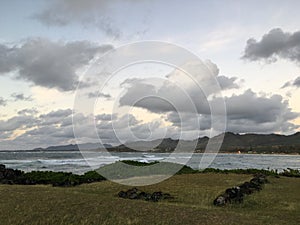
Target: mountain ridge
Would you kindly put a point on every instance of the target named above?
(232, 142)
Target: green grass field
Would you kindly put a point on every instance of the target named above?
(97, 203)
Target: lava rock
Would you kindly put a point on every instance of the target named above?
(122, 194)
(134, 193)
(221, 200)
(236, 194)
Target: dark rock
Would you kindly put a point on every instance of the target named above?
(221, 200)
(246, 188)
(236, 194)
(145, 196)
(134, 193)
(167, 196)
(255, 185)
(261, 178)
(133, 196)
(122, 194)
(156, 196)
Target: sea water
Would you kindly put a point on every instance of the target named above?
(73, 161)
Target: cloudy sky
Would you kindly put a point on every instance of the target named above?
(49, 49)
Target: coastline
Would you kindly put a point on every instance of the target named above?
(153, 152)
(75, 162)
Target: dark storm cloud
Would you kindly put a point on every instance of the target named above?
(293, 83)
(31, 111)
(20, 97)
(6, 65)
(49, 64)
(258, 108)
(273, 45)
(178, 92)
(57, 114)
(169, 97)
(250, 112)
(165, 98)
(297, 82)
(28, 118)
(55, 117)
(18, 122)
(245, 112)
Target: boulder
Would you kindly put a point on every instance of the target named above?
(246, 188)
(220, 201)
(122, 194)
(236, 194)
(134, 193)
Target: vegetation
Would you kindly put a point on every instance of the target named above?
(121, 170)
(290, 173)
(98, 203)
(10, 176)
(127, 168)
(243, 171)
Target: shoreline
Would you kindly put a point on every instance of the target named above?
(151, 152)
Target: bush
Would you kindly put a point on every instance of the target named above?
(290, 173)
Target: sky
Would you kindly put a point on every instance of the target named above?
(56, 86)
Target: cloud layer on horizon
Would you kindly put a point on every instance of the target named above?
(56, 127)
(246, 112)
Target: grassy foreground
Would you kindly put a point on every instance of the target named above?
(97, 203)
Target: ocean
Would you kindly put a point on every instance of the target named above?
(73, 161)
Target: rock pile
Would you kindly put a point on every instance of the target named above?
(134, 193)
(236, 194)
